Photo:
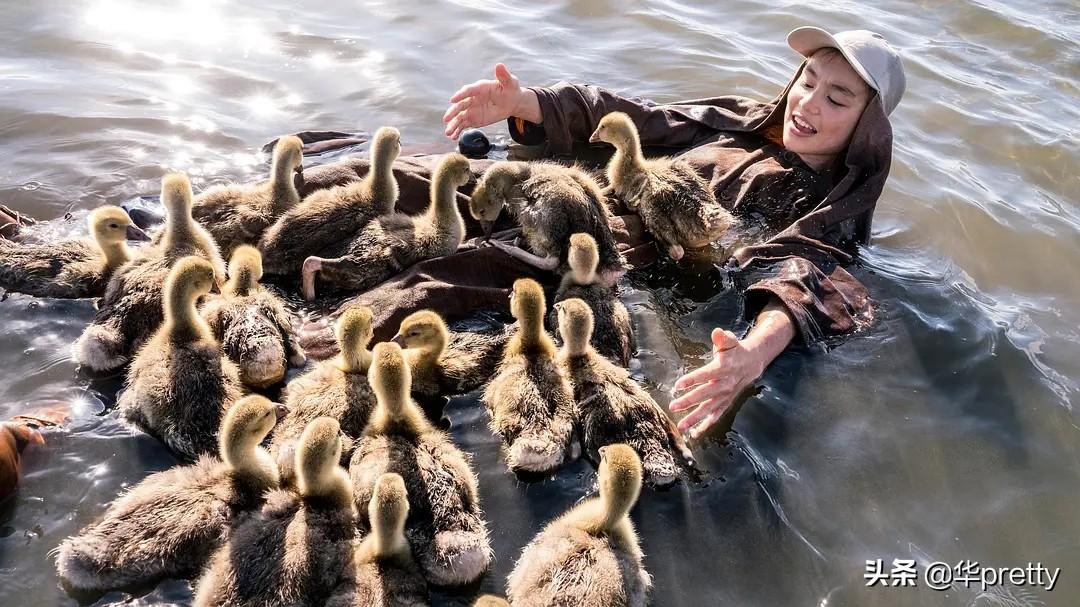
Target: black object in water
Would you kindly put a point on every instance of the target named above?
(473, 143)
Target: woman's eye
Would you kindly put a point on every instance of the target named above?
(834, 102)
(808, 86)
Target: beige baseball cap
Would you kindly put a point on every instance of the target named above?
(868, 53)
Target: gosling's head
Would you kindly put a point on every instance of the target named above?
(109, 224)
(584, 257)
(390, 377)
(246, 424)
(490, 600)
(455, 169)
(423, 330)
(575, 324)
(189, 278)
(615, 128)
(389, 507)
(619, 477)
(501, 182)
(318, 452)
(386, 146)
(527, 300)
(245, 269)
(176, 196)
(289, 154)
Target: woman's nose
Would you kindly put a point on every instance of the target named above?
(811, 104)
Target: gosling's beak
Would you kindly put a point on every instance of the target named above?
(134, 232)
(595, 137)
(487, 226)
(280, 411)
(298, 177)
(399, 339)
(601, 451)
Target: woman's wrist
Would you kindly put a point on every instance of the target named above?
(773, 330)
(528, 107)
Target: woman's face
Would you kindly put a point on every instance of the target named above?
(823, 107)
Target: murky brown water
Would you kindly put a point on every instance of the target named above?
(947, 431)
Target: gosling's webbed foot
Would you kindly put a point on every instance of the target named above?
(311, 267)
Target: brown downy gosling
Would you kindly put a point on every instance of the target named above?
(446, 527)
(385, 573)
(252, 324)
(336, 388)
(131, 310)
(530, 400)
(676, 203)
(299, 546)
(445, 364)
(611, 406)
(613, 330)
(589, 556)
(239, 214)
(395, 241)
(170, 523)
(550, 202)
(490, 600)
(70, 269)
(328, 219)
(180, 383)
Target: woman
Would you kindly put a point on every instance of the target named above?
(811, 165)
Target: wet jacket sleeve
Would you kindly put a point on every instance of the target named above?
(802, 266)
(572, 111)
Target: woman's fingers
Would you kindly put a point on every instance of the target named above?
(723, 340)
(472, 90)
(701, 375)
(700, 414)
(456, 108)
(701, 393)
(502, 74)
(710, 420)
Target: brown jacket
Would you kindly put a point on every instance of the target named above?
(812, 223)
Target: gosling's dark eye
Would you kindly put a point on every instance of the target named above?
(113, 226)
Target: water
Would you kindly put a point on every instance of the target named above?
(946, 431)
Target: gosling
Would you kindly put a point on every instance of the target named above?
(550, 202)
(676, 204)
(445, 364)
(611, 406)
(299, 547)
(530, 400)
(337, 388)
(131, 310)
(328, 219)
(393, 242)
(170, 523)
(589, 556)
(180, 385)
(613, 330)
(252, 325)
(70, 269)
(445, 526)
(385, 573)
(238, 215)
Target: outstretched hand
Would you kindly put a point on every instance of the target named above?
(483, 102)
(713, 388)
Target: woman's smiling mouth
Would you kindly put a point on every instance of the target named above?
(800, 127)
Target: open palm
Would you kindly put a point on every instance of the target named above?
(483, 102)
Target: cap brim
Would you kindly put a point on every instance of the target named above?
(808, 39)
